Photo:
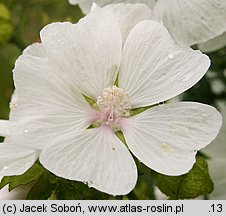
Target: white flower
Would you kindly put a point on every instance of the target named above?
(86, 5)
(189, 21)
(73, 60)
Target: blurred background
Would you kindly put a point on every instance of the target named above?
(20, 24)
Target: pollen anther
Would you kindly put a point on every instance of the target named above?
(113, 104)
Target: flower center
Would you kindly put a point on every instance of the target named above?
(113, 104)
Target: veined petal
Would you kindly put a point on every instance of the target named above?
(88, 53)
(95, 156)
(128, 15)
(213, 44)
(154, 69)
(48, 105)
(85, 5)
(191, 21)
(4, 128)
(35, 49)
(167, 137)
(15, 159)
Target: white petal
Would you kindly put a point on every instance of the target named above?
(4, 128)
(154, 69)
(85, 5)
(191, 21)
(15, 159)
(88, 53)
(74, 2)
(167, 137)
(96, 157)
(48, 105)
(213, 44)
(36, 49)
(128, 15)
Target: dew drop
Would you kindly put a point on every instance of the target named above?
(171, 56)
(60, 40)
(25, 131)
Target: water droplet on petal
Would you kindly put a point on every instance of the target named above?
(25, 131)
(171, 56)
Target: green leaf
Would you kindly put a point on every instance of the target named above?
(139, 110)
(193, 184)
(30, 175)
(89, 100)
(42, 190)
(120, 135)
(116, 80)
(144, 189)
(72, 190)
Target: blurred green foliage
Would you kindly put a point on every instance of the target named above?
(6, 28)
